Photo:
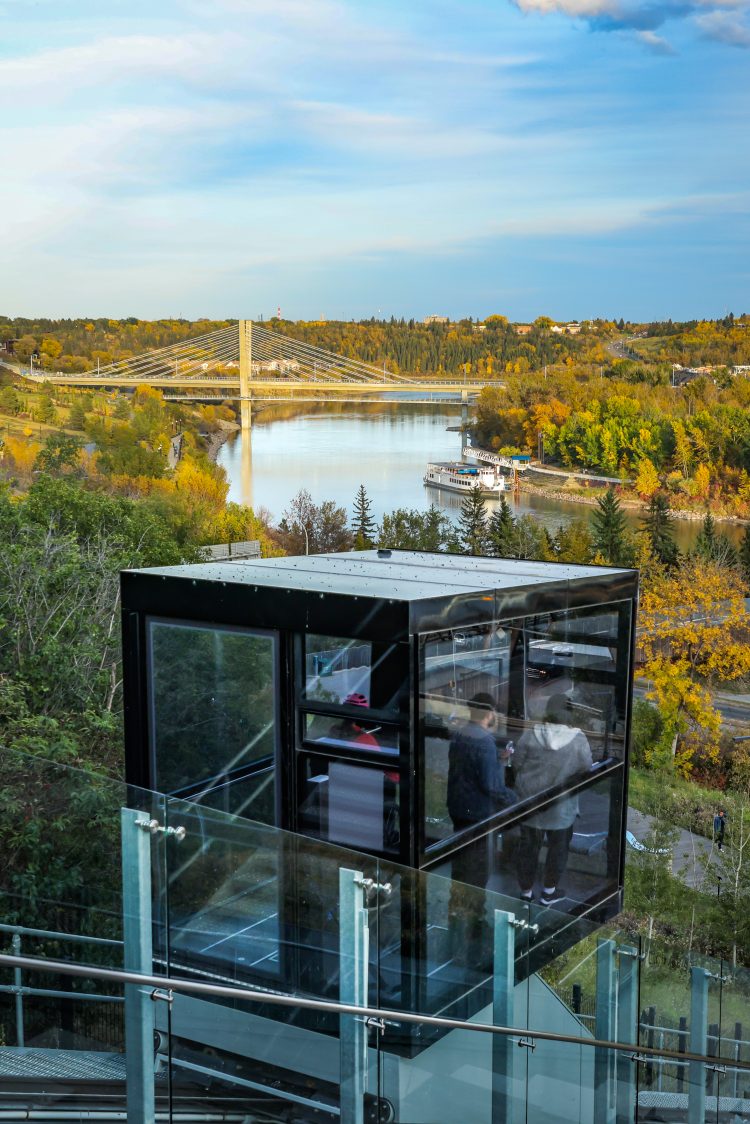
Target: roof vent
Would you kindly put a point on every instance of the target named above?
(384, 554)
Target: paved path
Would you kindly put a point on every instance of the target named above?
(689, 853)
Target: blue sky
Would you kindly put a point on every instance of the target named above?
(572, 158)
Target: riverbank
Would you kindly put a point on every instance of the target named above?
(219, 437)
(630, 503)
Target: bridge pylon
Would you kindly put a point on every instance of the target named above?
(245, 330)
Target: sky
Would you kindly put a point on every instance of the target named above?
(337, 159)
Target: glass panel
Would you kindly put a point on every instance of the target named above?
(564, 855)
(356, 732)
(364, 673)
(264, 909)
(575, 992)
(437, 945)
(336, 668)
(212, 698)
(350, 804)
(553, 692)
(65, 836)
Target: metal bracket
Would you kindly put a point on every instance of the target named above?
(165, 995)
(717, 976)
(717, 1068)
(628, 952)
(155, 828)
(371, 887)
(527, 1044)
(375, 1024)
(519, 923)
(638, 1058)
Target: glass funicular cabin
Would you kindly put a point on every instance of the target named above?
(458, 716)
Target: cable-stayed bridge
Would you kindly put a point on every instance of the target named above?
(250, 363)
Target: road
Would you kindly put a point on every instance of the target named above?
(732, 708)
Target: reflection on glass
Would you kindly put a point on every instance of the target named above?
(350, 732)
(578, 861)
(572, 663)
(351, 672)
(350, 804)
(337, 669)
(212, 701)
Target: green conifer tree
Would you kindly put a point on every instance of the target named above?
(656, 524)
(711, 546)
(364, 527)
(472, 524)
(501, 530)
(744, 556)
(609, 530)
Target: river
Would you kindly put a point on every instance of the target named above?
(331, 450)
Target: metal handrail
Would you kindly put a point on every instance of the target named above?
(164, 985)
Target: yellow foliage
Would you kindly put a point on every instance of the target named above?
(702, 480)
(647, 479)
(22, 453)
(204, 486)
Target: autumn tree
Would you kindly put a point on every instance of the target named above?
(310, 528)
(694, 632)
(647, 478)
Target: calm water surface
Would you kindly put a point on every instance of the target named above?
(330, 451)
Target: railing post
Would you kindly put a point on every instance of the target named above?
(682, 1042)
(18, 985)
(503, 983)
(604, 1099)
(353, 963)
(627, 1031)
(138, 957)
(698, 1043)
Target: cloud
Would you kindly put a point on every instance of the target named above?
(714, 20)
(725, 27)
(655, 43)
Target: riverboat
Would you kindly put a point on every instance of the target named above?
(455, 476)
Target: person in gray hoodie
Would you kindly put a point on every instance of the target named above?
(549, 754)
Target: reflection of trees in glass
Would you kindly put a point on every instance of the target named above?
(213, 701)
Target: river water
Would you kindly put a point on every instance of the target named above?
(331, 450)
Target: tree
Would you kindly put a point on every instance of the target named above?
(573, 543)
(744, 556)
(10, 402)
(77, 417)
(472, 523)
(647, 478)
(609, 531)
(501, 530)
(364, 527)
(656, 524)
(310, 528)
(710, 546)
(405, 529)
(694, 632)
(59, 452)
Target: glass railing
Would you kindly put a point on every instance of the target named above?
(256, 949)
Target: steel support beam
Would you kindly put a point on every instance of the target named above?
(138, 957)
(627, 1031)
(604, 1061)
(503, 984)
(698, 1044)
(353, 963)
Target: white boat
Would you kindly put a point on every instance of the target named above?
(455, 476)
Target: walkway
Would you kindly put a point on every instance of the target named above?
(690, 852)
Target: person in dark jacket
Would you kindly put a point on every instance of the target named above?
(720, 823)
(476, 786)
